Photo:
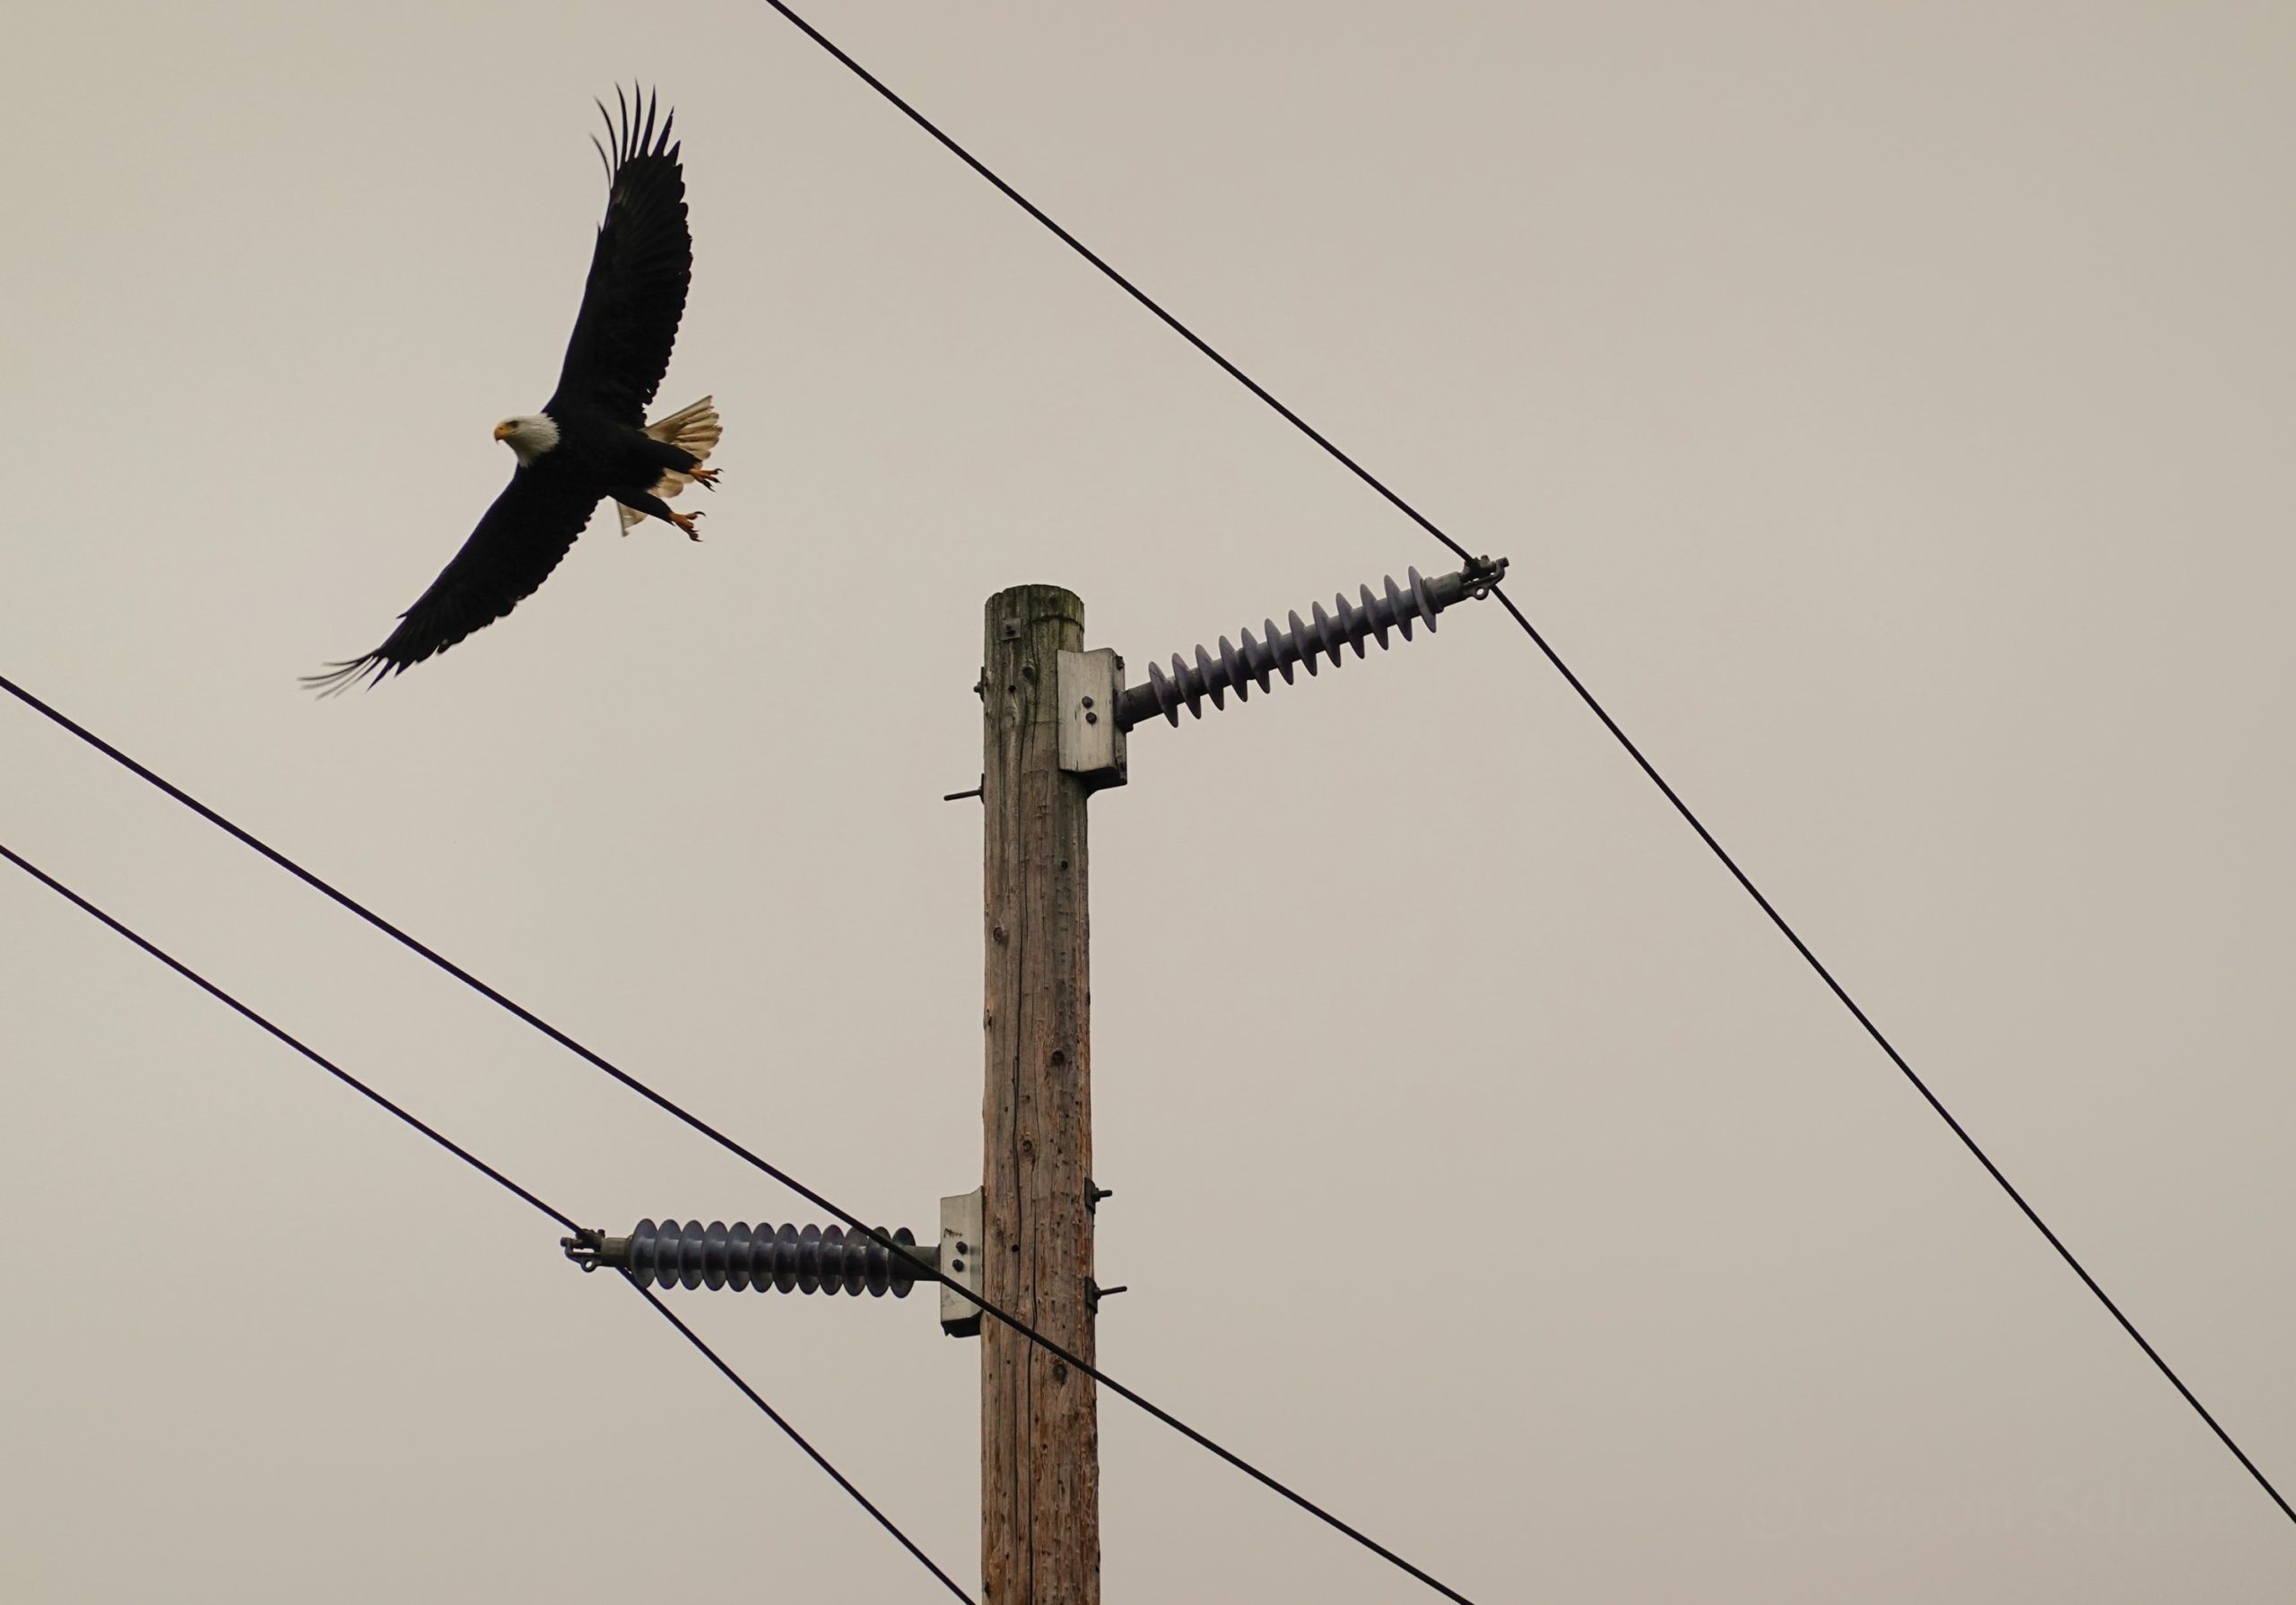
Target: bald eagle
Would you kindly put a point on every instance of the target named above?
(591, 440)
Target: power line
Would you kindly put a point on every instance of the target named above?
(476, 1163)
(1389, 495)
(302, 1047)
(795, 1437)
(1074, 1361)
(1117, 279)
(1897, 1058)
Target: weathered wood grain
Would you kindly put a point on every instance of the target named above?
(1040, 1462)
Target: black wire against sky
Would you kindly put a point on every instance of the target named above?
(313, 1054)
(1896, 1057)
(1074, 1361)
(796, 1437)
(476, 1163)
(1394, 500)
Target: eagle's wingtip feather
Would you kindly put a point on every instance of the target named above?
(340, 677)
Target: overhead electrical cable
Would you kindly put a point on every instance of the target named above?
(302, 1047)
(1392, 499)
(1897, 1058)
(476, 1163)
(908, 1255)
(796, 1437)
(1118, 280)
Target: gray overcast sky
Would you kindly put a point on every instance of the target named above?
(1886, 408)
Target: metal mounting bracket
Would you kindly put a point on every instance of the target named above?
(1091, 742)
(962, 1220)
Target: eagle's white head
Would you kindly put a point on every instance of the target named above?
(528, 435)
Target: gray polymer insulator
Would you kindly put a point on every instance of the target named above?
(785, 1259)
(1322, 635)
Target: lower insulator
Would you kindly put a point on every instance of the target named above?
(1322, 636)
(787, 1258)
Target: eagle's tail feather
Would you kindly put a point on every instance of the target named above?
(694, 429)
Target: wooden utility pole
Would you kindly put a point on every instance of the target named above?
(1040, 1427)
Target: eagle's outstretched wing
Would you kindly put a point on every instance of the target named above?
(512, 551)
(639, 272)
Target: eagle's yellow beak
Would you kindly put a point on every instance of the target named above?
(503, 431)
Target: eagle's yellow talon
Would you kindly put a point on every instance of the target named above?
(706, 479)
(686, 521)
